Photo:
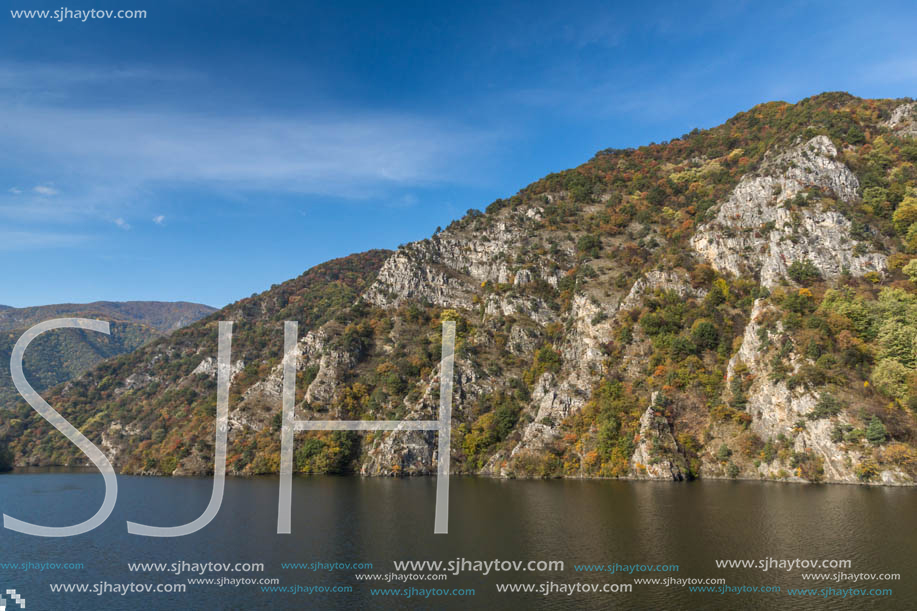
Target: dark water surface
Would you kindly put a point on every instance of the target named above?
(378, 521)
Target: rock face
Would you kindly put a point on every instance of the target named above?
(778, 410)
(416, 452)
(753, 232)
(657, 455)
(904, 120)
(208, 367)
(447, 270)
(659, 281)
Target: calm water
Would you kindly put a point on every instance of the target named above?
(381, 520)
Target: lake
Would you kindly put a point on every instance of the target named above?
(358, 520)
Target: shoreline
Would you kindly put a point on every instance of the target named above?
(89, 470)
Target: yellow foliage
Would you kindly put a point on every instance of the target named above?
(723, 286)
(450, 314)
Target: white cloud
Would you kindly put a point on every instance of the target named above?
(314, 154)
(122, 223)
(112, 159)
(49, 80)
(405, 201)
(117, 160)
(15, 190)
(28, 240)
(45, 190)
(159, 220)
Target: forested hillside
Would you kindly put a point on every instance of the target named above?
(61, 355)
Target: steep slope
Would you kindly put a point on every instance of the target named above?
(63, 355)
(738, 302)
(154, 407)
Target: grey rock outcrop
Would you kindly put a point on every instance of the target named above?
(778, 410)
(656, 455)
(754, 232)
(904, 120)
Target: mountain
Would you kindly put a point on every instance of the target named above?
(739, 302)
(162, 316)
(62, 355)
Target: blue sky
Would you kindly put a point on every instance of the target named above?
(213, 149)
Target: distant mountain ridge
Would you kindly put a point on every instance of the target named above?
(163, 316)
(60, 356)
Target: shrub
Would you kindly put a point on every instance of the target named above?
(867, 470)
(839, 432)
(589, 245)
(808, 465)
(804, 272)
(769, 453)
(826, 407)
(901, 455)
(750, 444)
(546, 360)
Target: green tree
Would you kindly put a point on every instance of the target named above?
(910, 270)
(875, 432)
(546, 359)
(877, 197)
(704, 334)
(589, 245)
(906, 214)
(890, 378)
(739, 398)
(910, 240)
(506, 414)
(898, 341)
(804, 272)
(826, 407)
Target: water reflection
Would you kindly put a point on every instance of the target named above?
(338, 519)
